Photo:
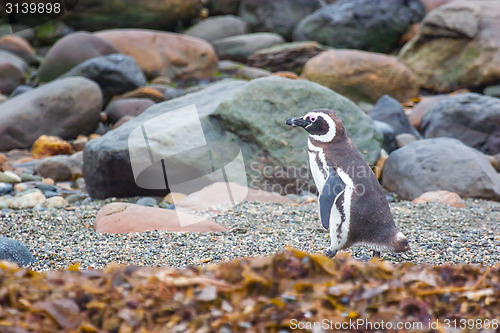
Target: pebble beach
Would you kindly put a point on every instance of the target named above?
(438, 234)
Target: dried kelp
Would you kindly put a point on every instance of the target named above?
(284, 292)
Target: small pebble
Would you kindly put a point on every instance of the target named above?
(147, 201)
(50, 194)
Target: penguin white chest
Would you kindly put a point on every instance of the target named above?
(317, 162)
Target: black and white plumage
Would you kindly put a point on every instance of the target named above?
(352, 205)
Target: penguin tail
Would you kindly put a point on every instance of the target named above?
(400, 242)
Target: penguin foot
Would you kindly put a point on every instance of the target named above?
(376, 254)
(330, 253)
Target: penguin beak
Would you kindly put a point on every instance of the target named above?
(298, 121)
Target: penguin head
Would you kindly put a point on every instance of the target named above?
(322, 125)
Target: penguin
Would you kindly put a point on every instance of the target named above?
(352, 205)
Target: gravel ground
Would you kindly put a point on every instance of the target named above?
(437, 233)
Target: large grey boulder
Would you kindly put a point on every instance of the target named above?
(249, 115)
(107, 166)
(471, 118)
(257, 114)
(279, 16)
(361, 24)
(440, 164)
(65, 108)
(13, 250)
(116, 74)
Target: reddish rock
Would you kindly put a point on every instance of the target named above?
(446, 197)
(13, 71)
(494, 160)
(216, 195)
(122, 121)
(419, 110)
(5, 163)
(79, 143)
(286, 75)
(20, 47)
(432, 4)
(126, 217)
(150, 92)
(47, 145)
(361, 75)
(161, 53)
(70, 51)
(127, 107)
(412, 32)
(174, 198)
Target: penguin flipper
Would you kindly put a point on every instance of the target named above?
(333, 188)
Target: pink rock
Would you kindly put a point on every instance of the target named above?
(217, 194)
(122, 217)
(167, 54)
(419, 110)
(447, 197)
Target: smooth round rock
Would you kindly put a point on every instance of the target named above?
(13, 250)
(147, 201)
(5, 188)
(64, 108)
(55, 202)
(9, 177)
(70, 51)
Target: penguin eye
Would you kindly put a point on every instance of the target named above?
(312, 118)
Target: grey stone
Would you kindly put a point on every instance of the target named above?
(472, 118)
(116, 74)
(64, 108)
(119, 108)
(107, 168)
(27, 177)
(390, 111)
(70, 51)
(493, 91)
(20, 90)
(5, 188)
(60, 167)
(286, 57)
(389, 142)
(75, 197)
(404, 139)
(217, 27)
(279, 16)
(13, 250)
(50, 194)
(147, 201)
(241, 71)
(45, 187)
(361, 24)
(13, 71)
(238, 48)
(440, 164)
